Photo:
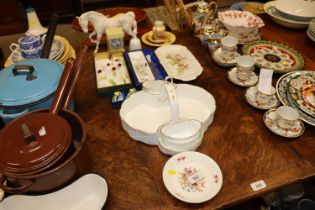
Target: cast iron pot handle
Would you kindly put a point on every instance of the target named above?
(24, 69)
(14, 190)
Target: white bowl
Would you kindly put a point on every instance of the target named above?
(88, 192)
(181, 130)
(274, 14)
(240, 22)
(296, 9)
(181, 134)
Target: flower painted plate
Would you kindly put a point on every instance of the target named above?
(276, 56)
(301, 91)
(192, 177)
(270, 120)
(179, 62)
(282, 87)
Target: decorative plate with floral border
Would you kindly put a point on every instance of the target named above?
(270, 120)
(276, 56)
(282, 87)
(179, 62)
(299, 94)
(192, 177)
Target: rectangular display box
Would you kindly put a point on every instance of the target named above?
(144, 65)
(111, 73)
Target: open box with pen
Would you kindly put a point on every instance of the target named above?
(144, 65)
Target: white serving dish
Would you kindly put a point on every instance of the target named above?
(88, 192)
(240, 22)
(179, 62)
(143, 113)
(296, 9)
(269, 8)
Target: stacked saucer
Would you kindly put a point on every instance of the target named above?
(311, 30)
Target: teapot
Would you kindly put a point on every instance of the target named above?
(202, 12)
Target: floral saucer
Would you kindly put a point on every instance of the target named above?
(244, 83)
(192, 177)
(250, 97)
(216, 55)
(270, 121)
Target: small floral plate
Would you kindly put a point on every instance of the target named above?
(250, 97)
(270, 118)
(253, 79)
(276, 56)
(216, 55)
(192, 177)
(301, 91)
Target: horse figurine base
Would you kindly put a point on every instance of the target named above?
(101, 22)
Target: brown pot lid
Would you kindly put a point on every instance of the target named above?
(24, 150)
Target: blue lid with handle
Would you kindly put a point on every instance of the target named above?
(29, 81)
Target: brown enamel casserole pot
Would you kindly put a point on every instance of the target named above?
(45, 149)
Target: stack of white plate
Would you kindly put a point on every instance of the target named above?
(143, 113)
(311, 30)
(179, 135)
(291, 13)
(60, 51)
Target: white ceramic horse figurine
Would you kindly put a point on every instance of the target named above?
(101, 22)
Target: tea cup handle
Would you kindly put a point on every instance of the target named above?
(14, 46)
(14, 190)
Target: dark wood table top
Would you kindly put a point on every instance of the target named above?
(238, 140)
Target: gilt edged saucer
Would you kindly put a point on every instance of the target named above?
(253, 79)
(148, 40)
(216, 55)
(269, 119)
(250, 97)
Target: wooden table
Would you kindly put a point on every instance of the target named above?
(238, 140)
